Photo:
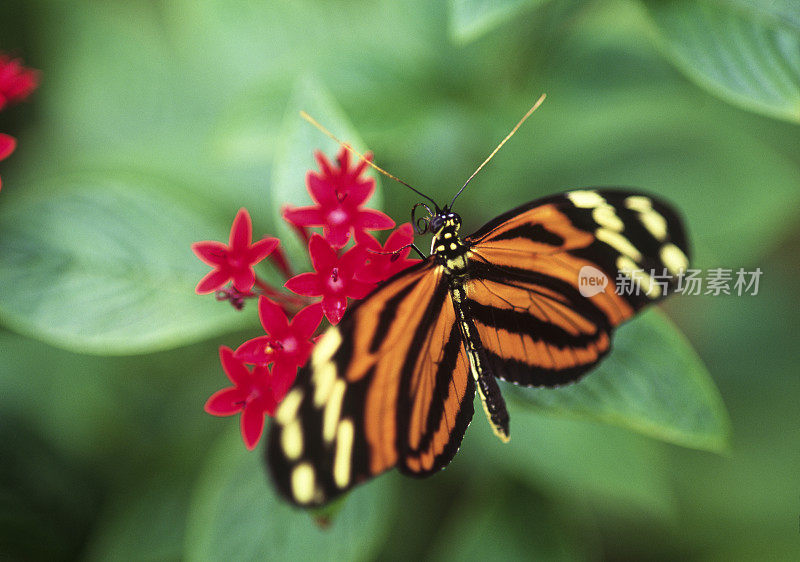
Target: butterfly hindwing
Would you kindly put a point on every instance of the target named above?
(524, 291)
(389, 386)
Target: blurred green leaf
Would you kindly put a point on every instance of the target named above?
(652, 382)
(144, 523)
(104, 265)
(613, 470)
(745, 51)
(295, 156)
(469, 19)
(114, 92)
(237, 515)
(522, 527)
(48, 502)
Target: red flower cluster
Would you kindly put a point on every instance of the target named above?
(340, 273)
(16, 84)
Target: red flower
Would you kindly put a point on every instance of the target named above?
(333, 278)
(287, 344)
(7, 146)
(253, 394)
(384, 261)
(16, 81)
(339, 194)
(235, 261)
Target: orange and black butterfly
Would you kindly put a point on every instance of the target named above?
(393, 384)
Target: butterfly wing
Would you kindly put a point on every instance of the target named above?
(389, 386)
(525, 294)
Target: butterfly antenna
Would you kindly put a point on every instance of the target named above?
(499, 146)
(363, 158)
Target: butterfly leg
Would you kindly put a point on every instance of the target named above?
(493, 403)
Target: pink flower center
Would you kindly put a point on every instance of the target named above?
(335, 282)
(337, 216)
(236, 262)
(289, 344)
(254, 394)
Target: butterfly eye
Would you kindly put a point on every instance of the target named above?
(436, 223)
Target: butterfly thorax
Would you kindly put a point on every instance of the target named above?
(446, 245)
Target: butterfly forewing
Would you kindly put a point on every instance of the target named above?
(388, 386)
(527, 266)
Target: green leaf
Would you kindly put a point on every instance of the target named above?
(469, 19)
(48, 501)
(652, 382)
(613, 470)
(236, 514)
(144, 523)
(103, 265)
(744, 51)
(504, 509)
(295, 156)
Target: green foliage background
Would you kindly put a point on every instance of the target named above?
(156, 121)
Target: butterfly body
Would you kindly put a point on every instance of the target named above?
(453, 255)
(393, 384)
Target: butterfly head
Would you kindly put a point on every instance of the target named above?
(444, 221)
(435, 221)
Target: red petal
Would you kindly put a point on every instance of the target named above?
(323, 256)
(237, 373)
(7, 145)
(322, 189)
(255, 351)
(273, 318)
(225, 402)
(241, 231)
(306, 284)
(358, 289)
(261, 249)
(252, 423)
(352, 261)
(324, 164)
(362, 165)
(307, 321)
(304, 216)
(343, 159)
(371, 219)
(244, 279)
(337, 235)
(212, 281)
(363, 238)
(334, 308)
(211, 253)
(359, 191)
(403, 236)
(283, 375)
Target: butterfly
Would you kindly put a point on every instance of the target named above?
(393, 384)
(529, 298)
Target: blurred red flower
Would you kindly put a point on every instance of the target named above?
(235, 261)
(7, 146)
(288, 344)
(381, 262)
(333, 279)
(339, 194)
(253, 394)
(16, 81)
